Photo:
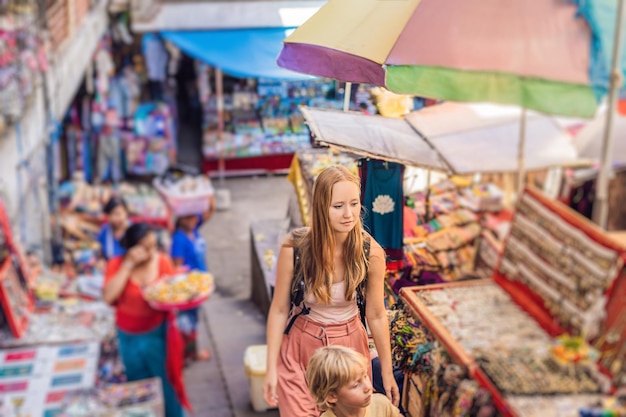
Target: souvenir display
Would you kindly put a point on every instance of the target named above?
(82, 403)
(488, 253)
(435, 383)
(262, 119)
(69, 319)
(141, 398)
(450, 236)
(505, 349)
(184, 291)
(560, 263)
(412, 345)
(47, 287)
(447, 247)
(580, 405)
(152, 148)
(485, 197)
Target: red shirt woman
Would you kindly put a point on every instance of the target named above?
(149, 345)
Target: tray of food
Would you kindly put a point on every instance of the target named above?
(180, 292)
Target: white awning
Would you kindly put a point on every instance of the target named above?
(485, 138)
(589, 139)
(372, 136)
(210, 15)
(465, 138)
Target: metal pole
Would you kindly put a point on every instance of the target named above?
(219, 86)
(521, 172)
(346, 96)
(50, 139)
(601, 206)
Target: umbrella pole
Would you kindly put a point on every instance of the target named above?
(601, 204)
(346, 96)
(521, 173)
(219, 86)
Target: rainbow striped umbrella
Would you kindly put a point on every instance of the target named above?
(533, 53)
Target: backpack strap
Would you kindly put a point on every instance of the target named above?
(360, 293)
(297, 291)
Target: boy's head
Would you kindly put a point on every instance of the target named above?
(338, 375)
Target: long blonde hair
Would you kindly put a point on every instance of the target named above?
(317, 243)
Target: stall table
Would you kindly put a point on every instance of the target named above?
(265, 238)
(473, 339)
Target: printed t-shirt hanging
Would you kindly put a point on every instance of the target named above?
(383, 200)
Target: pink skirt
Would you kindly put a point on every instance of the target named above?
(305, 337)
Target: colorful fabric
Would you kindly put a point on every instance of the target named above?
(188, 325)
(494, 54)
(144, 355)
(550, 97)
(296, 350)
(383, 200)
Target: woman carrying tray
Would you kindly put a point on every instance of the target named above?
(324, 274)
(149, 342)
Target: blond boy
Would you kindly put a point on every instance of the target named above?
(341, 387)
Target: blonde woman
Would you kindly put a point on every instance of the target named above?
(337, 262)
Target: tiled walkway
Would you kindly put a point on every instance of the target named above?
(230, 322)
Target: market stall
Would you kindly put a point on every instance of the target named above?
(263, 124)
(251, 121)
(47, 350)
(532, 341)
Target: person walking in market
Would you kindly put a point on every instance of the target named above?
(189, 250)
(150, 344)
(111, 233)
(330, 277)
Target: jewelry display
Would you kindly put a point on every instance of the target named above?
(519, 373)
(73, 321)
(509, 346)
(437, 385)
(557, 405)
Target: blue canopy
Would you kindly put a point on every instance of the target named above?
(601, 17)
(243, 53)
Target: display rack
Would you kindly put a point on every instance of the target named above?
(442, 309)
